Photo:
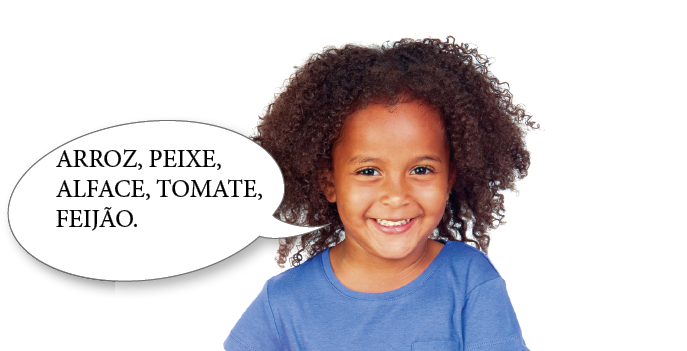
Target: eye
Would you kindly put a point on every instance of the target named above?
(368, 172)
(421, 170)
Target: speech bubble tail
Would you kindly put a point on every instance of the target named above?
(276, 229)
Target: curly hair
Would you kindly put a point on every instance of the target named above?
(485, 130)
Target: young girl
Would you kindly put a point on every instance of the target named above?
(405, 149)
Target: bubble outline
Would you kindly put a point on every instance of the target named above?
(137, 122)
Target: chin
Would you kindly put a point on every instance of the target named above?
(395, 252)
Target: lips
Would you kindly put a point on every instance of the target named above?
(393, 226)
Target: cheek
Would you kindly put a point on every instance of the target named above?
(353, 202)
(434, 201)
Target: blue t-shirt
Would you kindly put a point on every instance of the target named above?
(458, 303)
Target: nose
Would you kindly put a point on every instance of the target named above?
(394, 192)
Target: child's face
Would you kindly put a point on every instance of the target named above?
(391, 165)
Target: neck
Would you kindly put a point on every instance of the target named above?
(361, 271)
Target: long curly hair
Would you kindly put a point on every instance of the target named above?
(485, 130)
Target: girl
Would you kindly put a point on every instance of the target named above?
(404, 149)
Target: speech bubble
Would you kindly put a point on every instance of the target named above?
(148, 200)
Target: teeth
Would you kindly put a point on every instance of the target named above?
(386, 223)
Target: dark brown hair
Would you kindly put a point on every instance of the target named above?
(484, 128)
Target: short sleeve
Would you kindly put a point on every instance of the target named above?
(489, 321)
(256, 330)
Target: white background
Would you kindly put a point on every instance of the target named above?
(593, 249)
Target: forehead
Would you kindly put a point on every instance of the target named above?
(402, 127)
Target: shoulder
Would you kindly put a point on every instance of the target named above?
(463, 255)
(298, 281)
(468, 264)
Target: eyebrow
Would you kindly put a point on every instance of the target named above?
(361, 159)
(356, 160)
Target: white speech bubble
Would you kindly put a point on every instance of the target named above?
(211, 193)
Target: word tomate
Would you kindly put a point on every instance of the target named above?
(208, 188)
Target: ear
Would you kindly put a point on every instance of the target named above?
(451, 182)
(327, 186)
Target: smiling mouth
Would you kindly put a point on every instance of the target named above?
(388, 223)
